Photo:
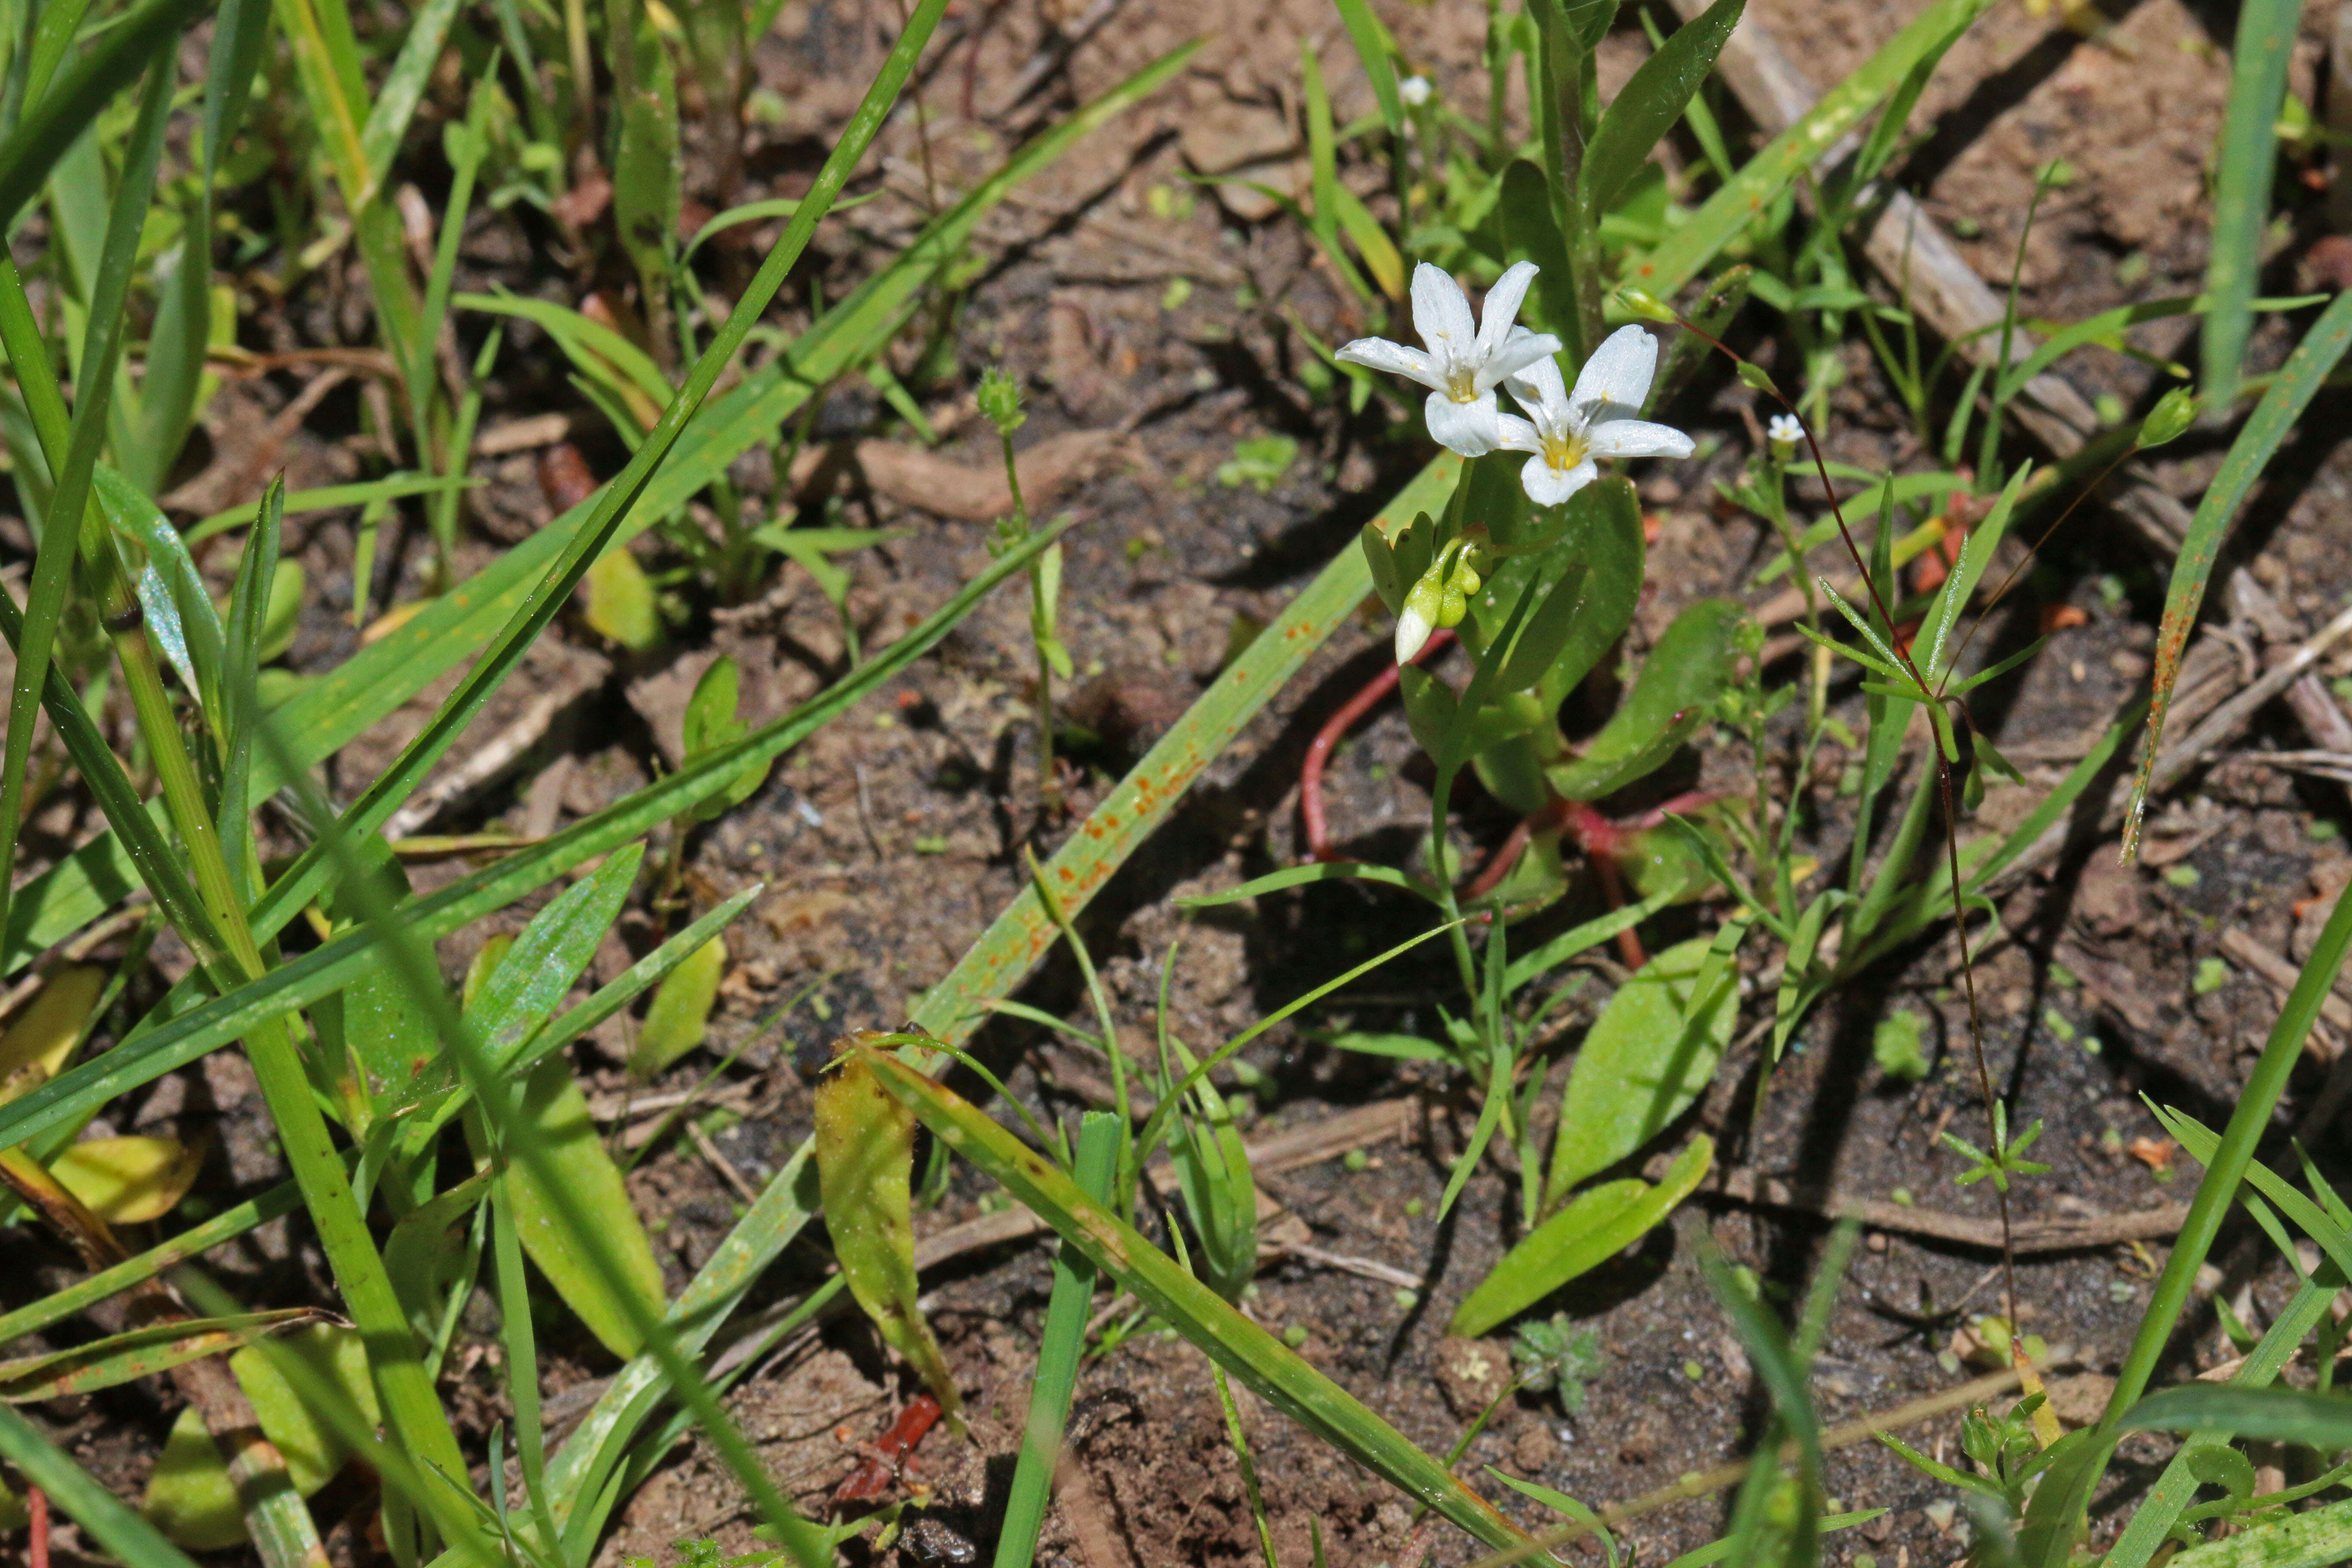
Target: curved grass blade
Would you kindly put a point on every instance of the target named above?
(302, 881)
(302, 980)
(2301, 1415)
(2298, 381)
(1270, 1368)
(2048, 1536)
(141, 1353)
(110, 62)
(348, 699)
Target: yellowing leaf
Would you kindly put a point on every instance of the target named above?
(190, 1496)
(620, 601)
(553, 1104)
(35, 1049)
(128, 1181)
(865, 1163)
(680, 1010)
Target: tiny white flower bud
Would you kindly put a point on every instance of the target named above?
(1414, 90)
(1786, 433)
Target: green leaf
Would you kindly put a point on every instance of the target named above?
(283, 613)
(2290, 394)
(2243, 162)
(1397, 1048)
(647, 169)
(190, 1496)
(1674, 694)
(555, 1114)
(621, 602)
(1531, 232)
(424, 1256)
(546, 961)
(81, 1498)
(1212, 1173)
(1645, 1060)
(1371, 41)
(1647, 106)
(2305, 1416)
(1761, 180)
(866, 1161)
(1593, 1228)
(1061, 1346)
(126, 1357)
(1548, 631)
(680, 1011)
(2279, 1540)
(1235, 1344)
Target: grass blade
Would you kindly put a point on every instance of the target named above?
(2049, 1529)
(2300, 1415)
(2242, 188)
(115, 1528)
(377, 804)
(1770, 172)
(1270, 1368)
(1646, 108)
(1060, 1346)
(302, 980)
(2298, 381)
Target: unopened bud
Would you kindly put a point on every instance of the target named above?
(1647, 305)
(999, 400)
(2169, 420)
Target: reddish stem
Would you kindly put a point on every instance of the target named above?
(872, 1479)
(1318, 751)
(36, 1551)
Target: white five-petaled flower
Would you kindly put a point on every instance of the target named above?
(1565, 430)
(1414, 90)
(1786, 433)
(1465, 359)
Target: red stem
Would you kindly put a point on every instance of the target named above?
(36, 1551)
(1318, 751)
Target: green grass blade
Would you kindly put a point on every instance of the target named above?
(53, 34)
(377, 804)
(1371, 41)
(2298, 381)
(126, 1357)
(347, 700)
(2241, 187)
(183, 331)
(74, 459)
(103, 1517)
(1788, 155)
(1649, 104)
(111, 62)
(1060, 1347)
(302, 980)
(227, 1226)
(1274, 1370)
(403, 85)
(2301, 1415)
(2048, 1536)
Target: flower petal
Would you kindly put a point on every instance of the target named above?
(1547, 486)
(1441, 314)
(1540, 390)
(1523, 349)
(1638, 439)
(1468, 428)
(1501, 311)
(1412, 630)
(1379, 353)
(1513, 434)
(1617, 372)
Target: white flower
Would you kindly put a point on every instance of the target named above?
(1414, 90)
(1465, 359)
(1786, 433)
(1567, 430)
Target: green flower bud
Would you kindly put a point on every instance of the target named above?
(1647, 305)
(2169, 420)
(999, 400)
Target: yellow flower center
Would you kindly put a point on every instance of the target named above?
(1462, 385)
(1565, 450)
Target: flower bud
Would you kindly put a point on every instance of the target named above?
(999, 400)
(2169, 420)
(1647, 305)
(1424, 604)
